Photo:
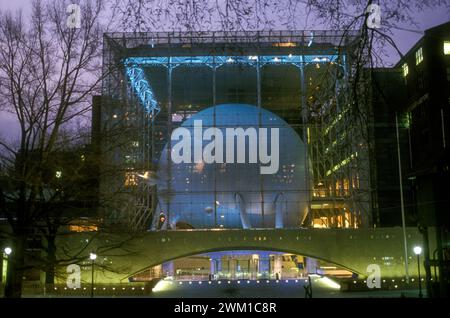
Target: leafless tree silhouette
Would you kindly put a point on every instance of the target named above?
(48, 74)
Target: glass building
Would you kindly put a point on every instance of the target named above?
(294, 81)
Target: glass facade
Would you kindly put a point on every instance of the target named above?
(229, 81)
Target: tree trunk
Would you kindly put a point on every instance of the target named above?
(16, 262)
(51, 259)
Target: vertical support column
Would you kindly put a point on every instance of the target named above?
(305, 138)
(258, 82)
(218, 265)
(169, 142)
(264, 266)
(402, 206)
(145, 151)
(212, 267)
(254, 268)
(154, 189)
(130, 105)
(232, 267)
(258, 93)
(215, 265)
(214, 124)
(342, 175)
(277, 266)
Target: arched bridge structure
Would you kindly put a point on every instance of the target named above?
(121, 256)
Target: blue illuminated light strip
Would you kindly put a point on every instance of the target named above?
(224, 59)
(143, 89)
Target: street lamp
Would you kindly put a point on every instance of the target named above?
(4, 265)
(418, 251)
(7, 250)
(92, 257)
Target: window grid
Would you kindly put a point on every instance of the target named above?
(419, 56)
(405, 69)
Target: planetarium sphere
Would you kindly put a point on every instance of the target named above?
(230, 194)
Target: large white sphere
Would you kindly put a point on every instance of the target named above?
(187, 190)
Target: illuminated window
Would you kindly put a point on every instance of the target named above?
(346, 186)
(131, 179)
(83, 228)
(419, 56)
(405, 69)
(284, 44)
(321, 222)
(447, 47)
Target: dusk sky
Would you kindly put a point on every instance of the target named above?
(404, 39)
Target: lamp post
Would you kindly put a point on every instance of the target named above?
(418, 251)
(402, 205)
(6, 252)
(92, 257)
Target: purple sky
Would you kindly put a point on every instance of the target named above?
(404, 39)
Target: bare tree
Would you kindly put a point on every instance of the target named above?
(254, 15)
(48, 73)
